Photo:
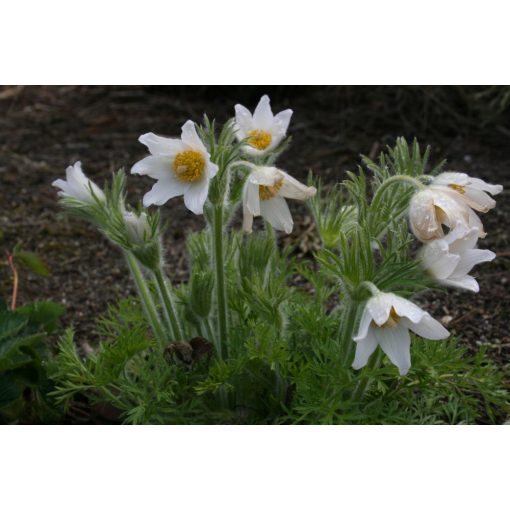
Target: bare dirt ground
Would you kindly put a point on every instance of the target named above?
(44, 129)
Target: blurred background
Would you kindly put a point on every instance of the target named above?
(44, 129)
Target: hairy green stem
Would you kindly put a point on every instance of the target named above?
(221, 295)
(404, 179)
(170, 312)
(146, 298)
(348, 322)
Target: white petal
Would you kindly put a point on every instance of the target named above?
(65, 189)
(478, 200)
(292, 188)
(379, 307)
(493, 189)
(252, 198)
(160, 145)
(156, 167)
(437, 261)
(265, 175)
(263, 116)
(462, 238)
(190, 136)
(364, 348)
(396, 343)
(422, 216)
(282, 121)
(474, 221)
(247, 220)
(276, 211)
(244, 121)
(469, 259)
(427, 327)
(165, 189)
(406, 308)
(212, 169)
(465, 282)
(446, 178)
(364, 324)
(196, 195)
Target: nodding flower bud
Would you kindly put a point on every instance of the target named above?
(78, 186)
(137, 227)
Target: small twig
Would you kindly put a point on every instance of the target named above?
(10, 261)
(503, 254)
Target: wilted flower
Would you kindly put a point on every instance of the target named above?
(263, 130)
(182, 167)
(78, 186)
(137, 227)
(450, 199)
(264, 195)
(450, 259)
(386, 321)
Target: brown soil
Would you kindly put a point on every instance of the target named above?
(44, 129)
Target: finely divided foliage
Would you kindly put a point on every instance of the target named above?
(239, 343)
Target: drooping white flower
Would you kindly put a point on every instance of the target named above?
(263, 129)
(137, 227)
(386, 321)
(264, 195)
(181, 166)
(449, 199)
(450, 259)
(468, 190)
(78, 185)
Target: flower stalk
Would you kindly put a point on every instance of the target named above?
(170, 312)
(146, 298)
(221, 294)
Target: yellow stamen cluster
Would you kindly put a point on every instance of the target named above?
(259, 139)
(440, 214)
(458, 188)
(393, 319)
(189, 166)
(267, 192)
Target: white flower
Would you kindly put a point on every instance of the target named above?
(450, 198)
(78, 185)
(386, 321)
(431, 208)
(468, 190)
(137, 227)
(264, 195)
(263, 130)
(450, 259)
(182, 167)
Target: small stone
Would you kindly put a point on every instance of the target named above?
(446, 319)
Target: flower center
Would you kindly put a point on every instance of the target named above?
(267, 192)
(458, 188)
(189, 166)
(393, 319)
(259, 139)
(440, 214)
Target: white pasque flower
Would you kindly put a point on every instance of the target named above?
(78, 185)
(386, 321)
(264, 195)
(137, 227)
(263, 130)
(450, 259)
(450, 198)
(468, 190)
(181, 167)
